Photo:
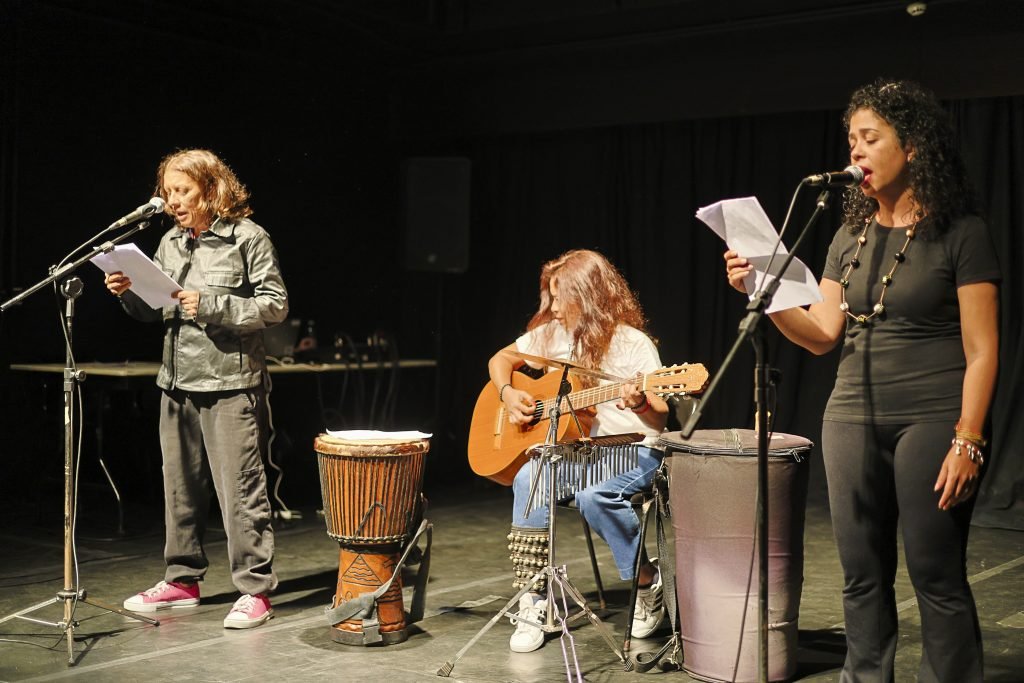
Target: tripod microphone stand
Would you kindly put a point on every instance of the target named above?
(551, 454)
(750, 329)
(72, 593)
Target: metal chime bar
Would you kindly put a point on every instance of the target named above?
(584, 463)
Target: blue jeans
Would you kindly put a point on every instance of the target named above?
(605, 506)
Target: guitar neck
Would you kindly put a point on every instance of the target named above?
(584, 398)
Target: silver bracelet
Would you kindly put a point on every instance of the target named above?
(974, 453)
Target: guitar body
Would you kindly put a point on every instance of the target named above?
(497, 448)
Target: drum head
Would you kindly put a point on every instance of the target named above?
(325, 443)
(732, 442)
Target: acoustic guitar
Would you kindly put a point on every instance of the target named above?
(498, 448)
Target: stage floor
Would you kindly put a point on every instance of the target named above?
(469, 582)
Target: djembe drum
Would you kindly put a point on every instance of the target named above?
(371, 491)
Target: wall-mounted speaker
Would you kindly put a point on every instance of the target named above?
(435, 213)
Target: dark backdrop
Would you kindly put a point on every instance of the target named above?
(631, 192)
(316, 111)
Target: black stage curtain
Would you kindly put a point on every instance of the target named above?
(631, 193)
(992, 136)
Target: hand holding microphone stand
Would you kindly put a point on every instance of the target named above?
(750, 328)
(71, 288)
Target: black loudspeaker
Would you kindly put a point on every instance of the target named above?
(435, 214)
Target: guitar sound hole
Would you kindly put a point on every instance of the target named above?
(538, 412)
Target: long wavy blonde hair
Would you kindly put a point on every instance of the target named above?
(588, 281)
(222, 193)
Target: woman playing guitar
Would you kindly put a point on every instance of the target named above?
(588, 315)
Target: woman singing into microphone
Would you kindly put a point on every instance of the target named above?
(911, 289)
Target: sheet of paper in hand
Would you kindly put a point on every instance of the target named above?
(745, 227)
(151, 284)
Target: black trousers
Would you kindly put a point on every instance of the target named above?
(879, 475)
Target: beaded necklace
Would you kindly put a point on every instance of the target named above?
(899, 257)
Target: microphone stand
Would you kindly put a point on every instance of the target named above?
(72, 593)
(750, 329)
(551, 455)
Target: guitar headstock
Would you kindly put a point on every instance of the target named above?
(686, 378)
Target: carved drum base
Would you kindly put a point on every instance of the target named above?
(362, 571)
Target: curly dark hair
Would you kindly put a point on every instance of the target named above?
(939, 186)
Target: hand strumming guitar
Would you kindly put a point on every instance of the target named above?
(519, 404)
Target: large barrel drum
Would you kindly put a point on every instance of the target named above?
(712, 491)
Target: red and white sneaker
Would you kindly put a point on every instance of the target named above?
(249, 611)
(164, 595)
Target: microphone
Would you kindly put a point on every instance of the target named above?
(154, 205)
(848, 177)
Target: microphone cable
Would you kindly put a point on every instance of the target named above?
(76, 453)
(373, 347)
(758, 287)
(389, 364)
(284, 512)
(391, 400)
(360, 385)
(772, 400)
(343, 355)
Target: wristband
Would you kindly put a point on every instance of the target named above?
(501, 392)
(641, 408)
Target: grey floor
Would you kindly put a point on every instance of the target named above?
(468, 584)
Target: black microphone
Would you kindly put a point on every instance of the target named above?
(154, 205)
(848, 177)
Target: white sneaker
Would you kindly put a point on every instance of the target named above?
(650, 609)
(528, 637)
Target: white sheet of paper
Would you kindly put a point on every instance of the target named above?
(373, 435)
(151, 284)
(745, 227)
